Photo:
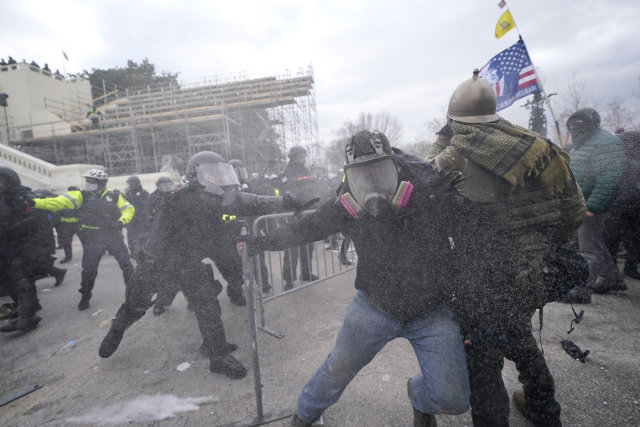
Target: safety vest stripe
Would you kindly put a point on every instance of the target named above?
(72, 200)
(69, 219)
(92, 228)
(123, 207)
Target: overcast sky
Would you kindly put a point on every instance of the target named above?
(403, 57)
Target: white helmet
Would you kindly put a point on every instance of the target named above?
(96, 174)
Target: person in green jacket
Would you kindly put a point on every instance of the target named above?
(102, 214)
(597, 162)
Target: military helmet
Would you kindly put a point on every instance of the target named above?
(241, 171)
(96, 174)
(297, 150)
(236, 163)
(474, 101)
(133, 180)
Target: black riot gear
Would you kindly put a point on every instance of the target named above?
(211, 171)
(241, 171)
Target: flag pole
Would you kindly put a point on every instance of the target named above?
(64, 68)
(546, 98)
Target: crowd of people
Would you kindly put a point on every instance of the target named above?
(456, 252)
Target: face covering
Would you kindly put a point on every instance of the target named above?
(398, 202)
(91, 187)
(373, 184)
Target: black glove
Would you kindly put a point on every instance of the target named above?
(290, 201)
(117, 226)
(31, 202)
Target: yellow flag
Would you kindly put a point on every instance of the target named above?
(504, 25)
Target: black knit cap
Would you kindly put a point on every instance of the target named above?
(588, 118)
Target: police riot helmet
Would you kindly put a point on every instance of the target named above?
(211, 171)
(371, 170)
(474, 101)
(296, 152)
(133, 183)
(165, 185)
(8, 179)
(241, 171)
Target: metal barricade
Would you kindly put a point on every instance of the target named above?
(252, 273)
(281, 267)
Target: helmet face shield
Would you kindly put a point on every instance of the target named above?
(241, 173)
(373, 182)
(165, 187)
(218, 173)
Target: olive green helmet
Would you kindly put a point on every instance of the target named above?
(474, 101)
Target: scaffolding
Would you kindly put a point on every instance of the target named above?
(254, 117)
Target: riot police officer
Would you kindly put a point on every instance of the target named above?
(24, 249)
(297, 179)
(141, 201)
(188, 223)
(103, 214)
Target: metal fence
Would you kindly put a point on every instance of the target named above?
(266, 277)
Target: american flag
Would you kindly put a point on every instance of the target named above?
(511, 74)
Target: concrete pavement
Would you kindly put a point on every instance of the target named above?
(76, 383)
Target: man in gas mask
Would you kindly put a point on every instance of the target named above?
(418, 241)
(141, 200)
(23, 249)
(103, 214)
(190, 221)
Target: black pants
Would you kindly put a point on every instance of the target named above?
(489, 399)
(200, 289)
(66, 230)
(623, 226)
(290, 262)
(228, 262)
(16, 276)
(94, 244)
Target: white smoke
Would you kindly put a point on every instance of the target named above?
(143, 408)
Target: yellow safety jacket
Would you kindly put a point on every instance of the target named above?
(94, 211)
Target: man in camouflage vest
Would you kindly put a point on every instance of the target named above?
(526, 181)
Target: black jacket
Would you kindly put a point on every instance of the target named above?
(440, 249)
(141, 200)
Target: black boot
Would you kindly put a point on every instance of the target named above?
(344, 260)
(421, 419)
(111, 342)
(65, 260)
(84, 301)
(227, 365)
(59, 275)
(308, 277)
(228, 348)
(22, 324)
(238, 299)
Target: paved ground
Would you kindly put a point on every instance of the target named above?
(605, 391)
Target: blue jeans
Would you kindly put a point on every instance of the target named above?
(443, 386)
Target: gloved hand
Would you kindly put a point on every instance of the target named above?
(117, 226)
(31, 202)
(290, 201)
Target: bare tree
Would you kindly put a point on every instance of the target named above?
(617, 115)
(383, 122)
(574, 95)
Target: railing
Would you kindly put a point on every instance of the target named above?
(252, 271)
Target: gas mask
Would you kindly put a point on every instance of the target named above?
(372, 179)
(217, 177)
